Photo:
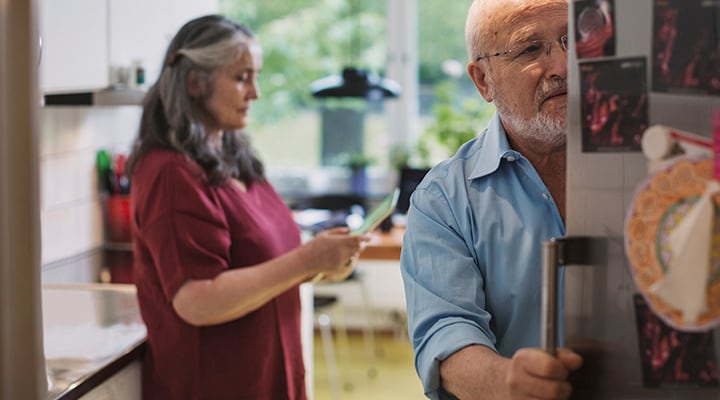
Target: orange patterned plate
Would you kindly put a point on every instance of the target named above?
(659, 205)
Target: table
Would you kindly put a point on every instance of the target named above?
(384, 245)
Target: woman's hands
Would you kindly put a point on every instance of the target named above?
(334, 253)
(238, 291)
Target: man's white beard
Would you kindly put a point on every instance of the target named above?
(541, 128)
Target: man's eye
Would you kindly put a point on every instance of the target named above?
(530, 49)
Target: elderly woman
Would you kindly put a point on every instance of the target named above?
(218, 257)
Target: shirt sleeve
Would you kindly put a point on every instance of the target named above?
(444, 285)
(184, 228)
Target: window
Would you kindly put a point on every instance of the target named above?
(305, 40)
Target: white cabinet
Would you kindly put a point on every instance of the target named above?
(74, 44)
(139, 31)
(83, 39)
(181, 11)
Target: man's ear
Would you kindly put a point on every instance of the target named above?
(477, 73)
(195, 88)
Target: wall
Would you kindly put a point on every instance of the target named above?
(601, 186)
(71, 217)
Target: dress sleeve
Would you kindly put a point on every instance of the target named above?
(444, 286)
(184, 228)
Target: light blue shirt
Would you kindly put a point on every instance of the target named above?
(471, 255)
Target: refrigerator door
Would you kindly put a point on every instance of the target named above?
(628, 352)
(22, 372)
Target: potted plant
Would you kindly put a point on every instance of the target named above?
(357, 163)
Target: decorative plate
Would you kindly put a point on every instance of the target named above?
(660, 203)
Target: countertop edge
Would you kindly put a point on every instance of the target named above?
(91, 381)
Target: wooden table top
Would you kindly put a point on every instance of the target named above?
(384, 245)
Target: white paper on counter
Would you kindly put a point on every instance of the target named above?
(684, 287)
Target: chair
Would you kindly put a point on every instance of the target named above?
(327, 306)
(321, 303)
(408, 181)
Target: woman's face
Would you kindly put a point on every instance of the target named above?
(234, 88)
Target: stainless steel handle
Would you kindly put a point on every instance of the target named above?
(549, 297)
(567, 251)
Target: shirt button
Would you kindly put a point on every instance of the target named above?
(545, 196)
(511, 158)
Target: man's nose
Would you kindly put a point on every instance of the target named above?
(556, 60)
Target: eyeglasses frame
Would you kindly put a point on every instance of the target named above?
(563, 40)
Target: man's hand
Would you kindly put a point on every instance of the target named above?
(477, 372)
(535, 374)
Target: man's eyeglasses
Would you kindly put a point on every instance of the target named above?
(528, 52)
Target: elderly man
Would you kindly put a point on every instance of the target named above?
(472, 249)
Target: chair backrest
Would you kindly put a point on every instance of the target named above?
(409, 179)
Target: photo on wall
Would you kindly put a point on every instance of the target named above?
(594, 28)
(613, 104)
(686, 46)
(671, 357)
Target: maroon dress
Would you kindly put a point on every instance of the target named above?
(186, 229)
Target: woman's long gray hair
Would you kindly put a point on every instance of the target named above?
(173, 119)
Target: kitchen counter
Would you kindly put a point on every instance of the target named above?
(94, 340)
(91, 333)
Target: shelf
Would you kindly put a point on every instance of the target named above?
(103, 97)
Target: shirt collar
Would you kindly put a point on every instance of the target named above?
(494, 146)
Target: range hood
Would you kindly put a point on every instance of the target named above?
(100, 97)
(355, 82)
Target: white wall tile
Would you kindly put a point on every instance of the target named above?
(67, 178)
(71, 230)
(83, 268)
(576, 213)
(69, 129)
(604, 212)
(71, 216)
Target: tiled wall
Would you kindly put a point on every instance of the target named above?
(601, 188)
(71, 216)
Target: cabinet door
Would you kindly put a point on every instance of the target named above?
(84, 39)
(181, 11)
(139, 33)
(74, 45)
(140, 30)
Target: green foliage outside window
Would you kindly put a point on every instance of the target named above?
(307, 40)
(441, 36)
(456, 121)
(304, 40)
